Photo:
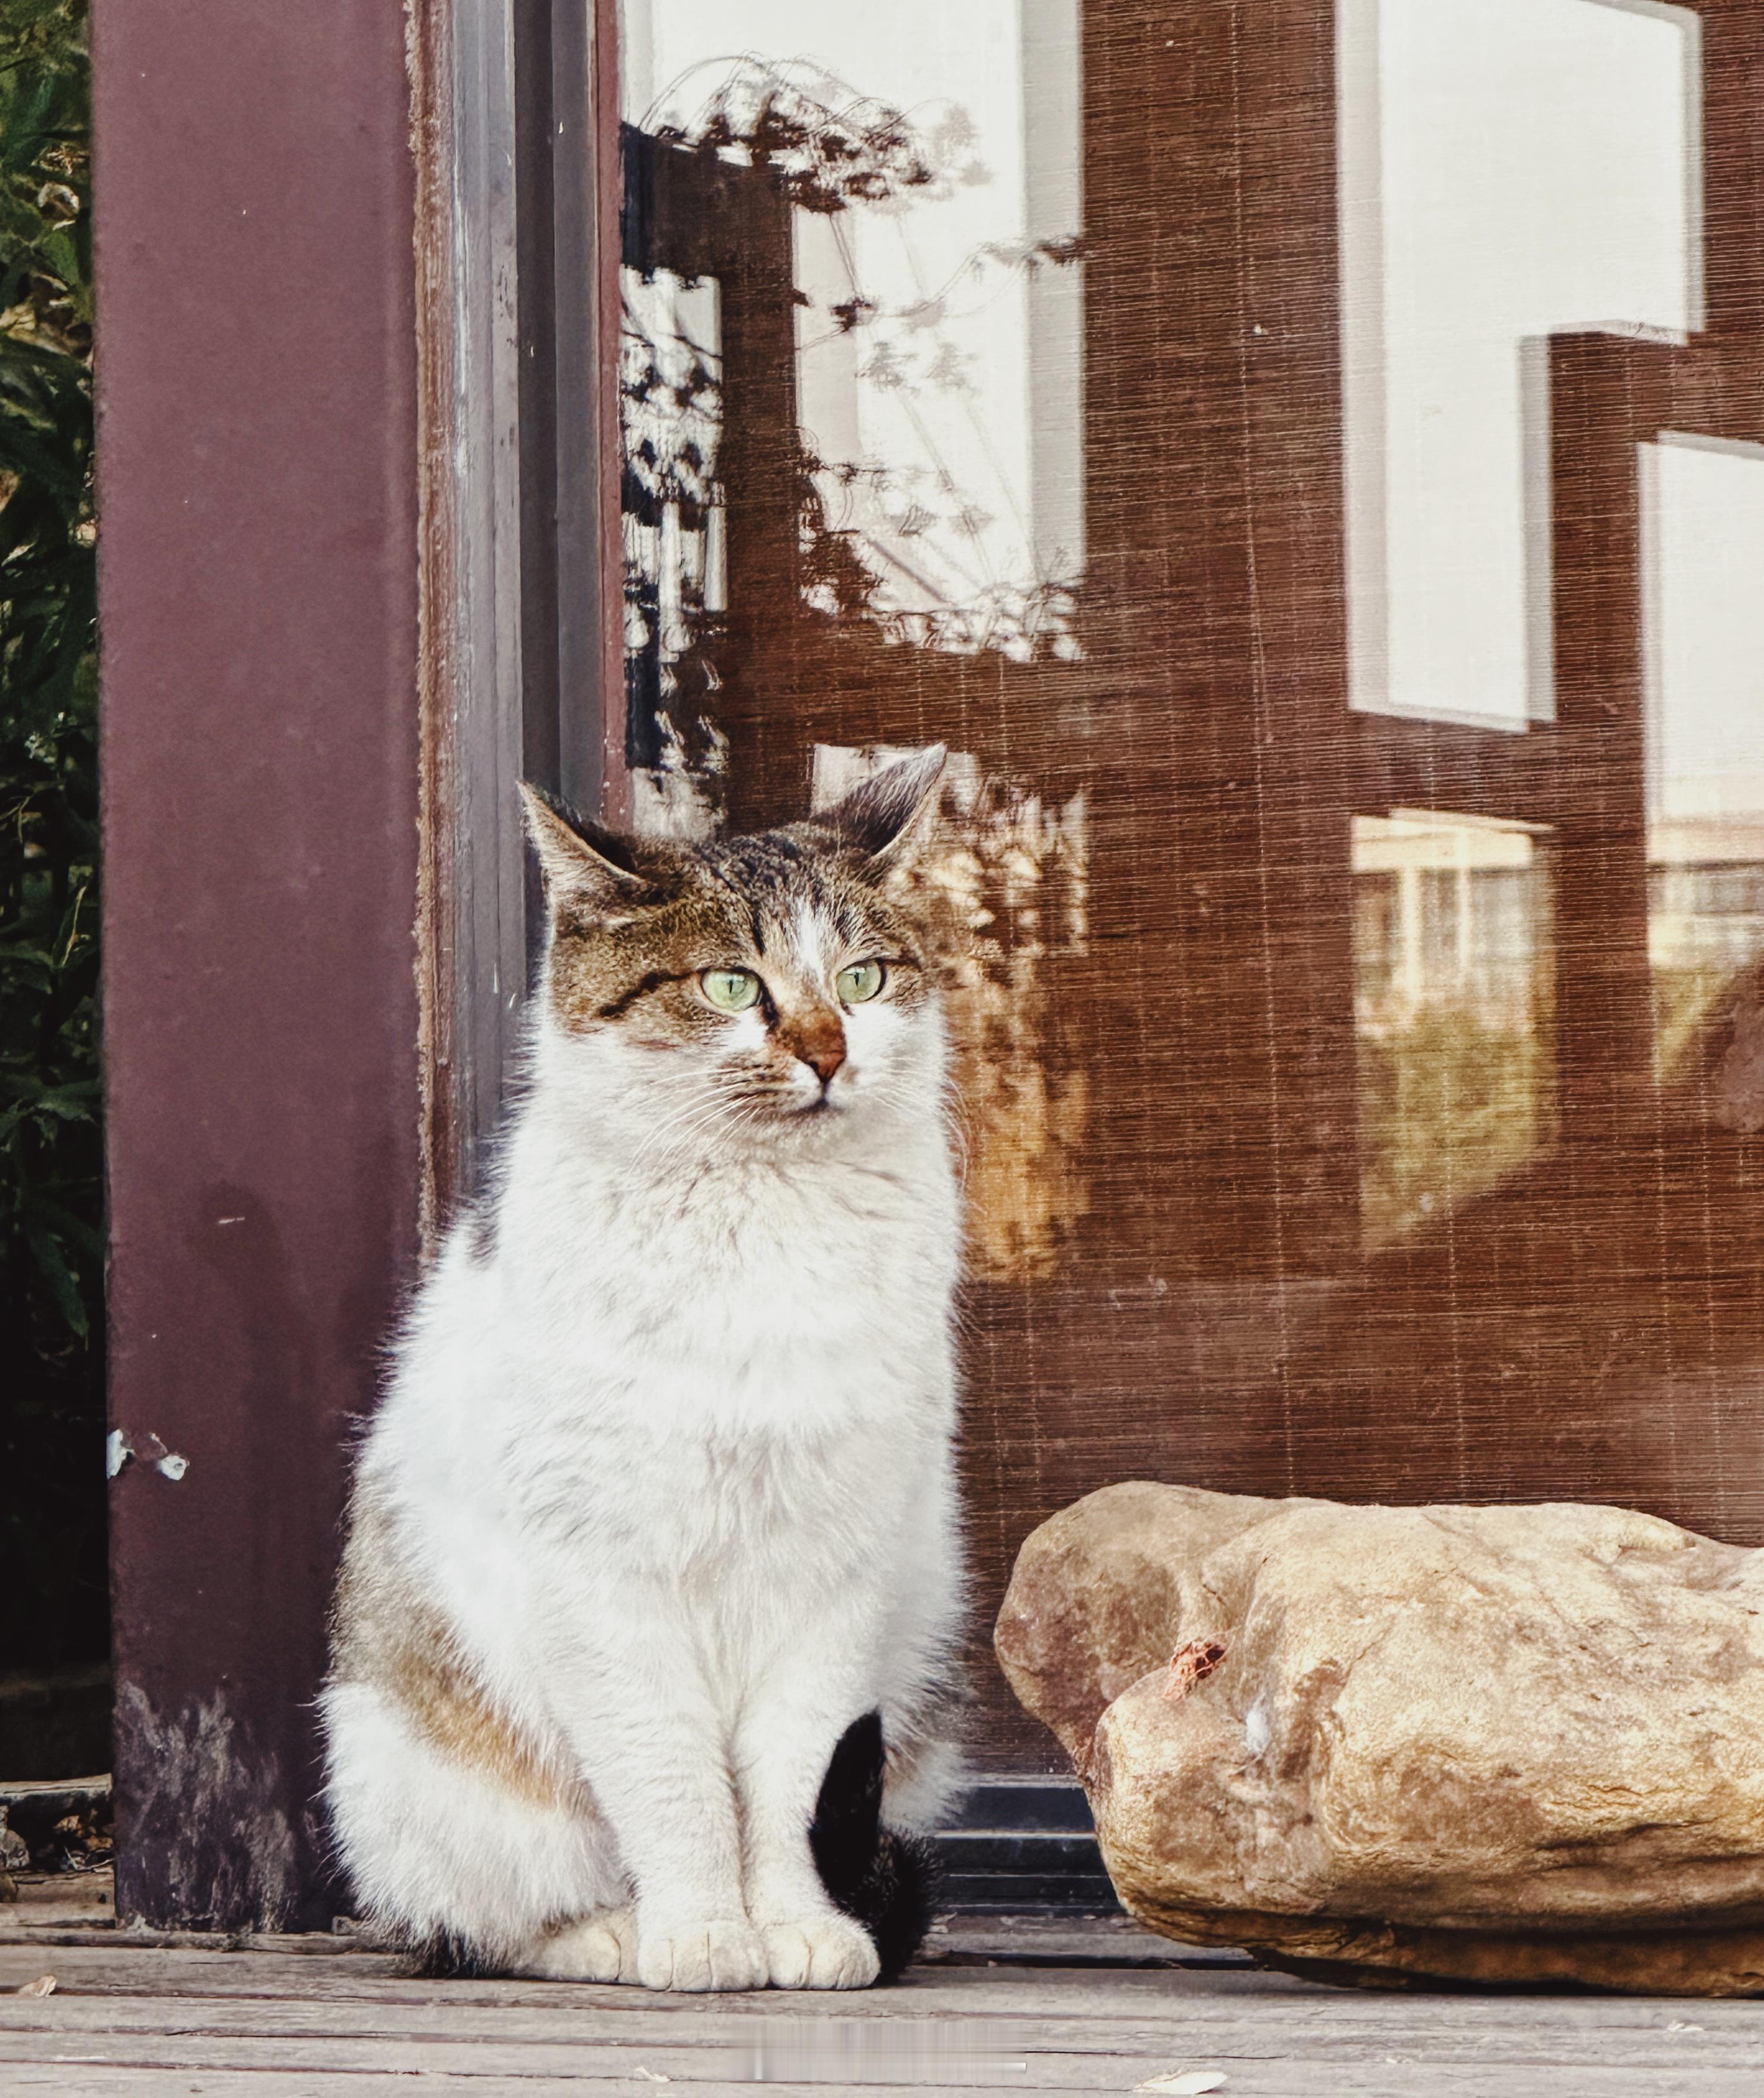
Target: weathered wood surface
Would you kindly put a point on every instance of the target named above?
(1040, 2004)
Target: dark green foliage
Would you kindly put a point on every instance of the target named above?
(52, 1236)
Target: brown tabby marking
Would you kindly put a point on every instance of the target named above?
(386, 1635)
(631, 950)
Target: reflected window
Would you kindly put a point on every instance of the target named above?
(1509, 169)
(1452, 982)
(930, 173)
(1703, 618)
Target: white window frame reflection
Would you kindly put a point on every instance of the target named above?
(1454, 116)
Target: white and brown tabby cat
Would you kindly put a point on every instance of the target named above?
(659, 1511)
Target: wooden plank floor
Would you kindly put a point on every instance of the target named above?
(1035, 2005)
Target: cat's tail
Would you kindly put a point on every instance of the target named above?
(884, 1878)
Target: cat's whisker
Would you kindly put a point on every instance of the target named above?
(667, 1136)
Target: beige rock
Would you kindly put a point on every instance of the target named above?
(1493, 1743)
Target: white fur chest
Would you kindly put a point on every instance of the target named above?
(766, 1297)
(751, 1372)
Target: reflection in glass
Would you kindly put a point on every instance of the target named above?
(1510, 169)
(1009, 884)
(1305, 1045)
(1703, 513)
(670, 409)
(927, 170)
(1452, 983)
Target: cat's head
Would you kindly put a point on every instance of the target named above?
(769, 990)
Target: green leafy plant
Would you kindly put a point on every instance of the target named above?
(52, 1236)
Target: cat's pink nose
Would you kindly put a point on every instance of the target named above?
(820, 1043)
(825, 1060)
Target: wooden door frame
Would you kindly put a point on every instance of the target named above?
(515, 133)
(257, 445)
(353, 581)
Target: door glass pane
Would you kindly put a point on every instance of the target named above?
(1303, 457)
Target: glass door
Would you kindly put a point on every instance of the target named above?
(1304, 459)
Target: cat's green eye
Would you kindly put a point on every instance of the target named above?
(859, 982)
(730, 991)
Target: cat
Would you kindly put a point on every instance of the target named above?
(654, 1559)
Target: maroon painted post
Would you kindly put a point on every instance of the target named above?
(258, 449)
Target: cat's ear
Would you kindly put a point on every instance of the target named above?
(578, 867)
(893, 811)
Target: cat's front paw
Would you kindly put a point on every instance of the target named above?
(721, 1953)
(600, 1948)
(827, 1951)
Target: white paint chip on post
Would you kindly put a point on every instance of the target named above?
(169, 1463)
(1184, 2081)
(119, 1451)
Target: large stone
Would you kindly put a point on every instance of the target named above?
(1498, 1744)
